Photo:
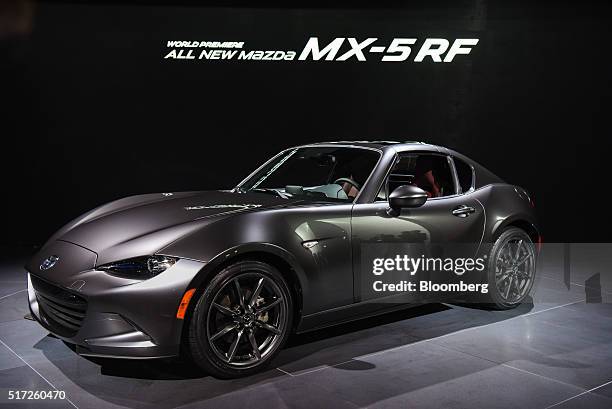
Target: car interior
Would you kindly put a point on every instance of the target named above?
(431, 173)
(336, 173)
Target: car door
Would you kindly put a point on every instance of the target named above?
(449, 224)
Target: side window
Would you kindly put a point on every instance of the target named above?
(430, 172)
(465, 174)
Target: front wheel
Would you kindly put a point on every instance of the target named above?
(512, 268)
(241, 320)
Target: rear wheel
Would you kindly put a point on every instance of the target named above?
(512, 267)
(241, 320)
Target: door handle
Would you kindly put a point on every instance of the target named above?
(463, 211)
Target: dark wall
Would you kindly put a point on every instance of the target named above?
(95, 113)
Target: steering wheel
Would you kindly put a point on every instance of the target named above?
(350, 181)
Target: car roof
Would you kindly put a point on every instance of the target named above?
(383, 145)
(483, 175)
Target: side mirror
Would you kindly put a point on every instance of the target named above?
(406, 196)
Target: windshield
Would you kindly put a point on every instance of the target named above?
(319, 173)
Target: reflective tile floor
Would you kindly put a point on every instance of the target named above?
(555, 351)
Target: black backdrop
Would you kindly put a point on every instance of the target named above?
(95, 113)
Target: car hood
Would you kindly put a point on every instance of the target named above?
(140, 225)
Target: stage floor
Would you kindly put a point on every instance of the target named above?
(555, 351)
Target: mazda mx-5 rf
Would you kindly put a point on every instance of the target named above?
(225, 276)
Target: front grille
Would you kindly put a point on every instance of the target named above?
(62, 311)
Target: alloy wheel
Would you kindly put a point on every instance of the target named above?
(246, 320)
(514, 269)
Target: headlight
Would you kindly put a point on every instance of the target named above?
(139, 267)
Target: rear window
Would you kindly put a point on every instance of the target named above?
(465, 175)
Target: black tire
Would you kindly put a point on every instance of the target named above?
(251, 344)
(509, 283)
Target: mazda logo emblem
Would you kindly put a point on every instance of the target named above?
(49, 262)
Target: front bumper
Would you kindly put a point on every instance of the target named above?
(108, 316)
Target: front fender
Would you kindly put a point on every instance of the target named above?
(240, 251)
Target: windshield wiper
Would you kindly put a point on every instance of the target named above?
(266, 190)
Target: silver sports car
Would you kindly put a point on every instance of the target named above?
(225, 276)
